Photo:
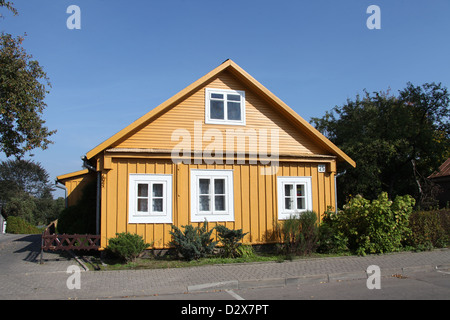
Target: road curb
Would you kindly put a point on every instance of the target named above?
(443, 266)
(343, 276)
(262, 283)
(418, 268)
(223, 285)
(276, 282)
(308, 279)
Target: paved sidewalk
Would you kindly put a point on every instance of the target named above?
(22, 277)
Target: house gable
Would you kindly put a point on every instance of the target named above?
(189, 114)
(187, 108)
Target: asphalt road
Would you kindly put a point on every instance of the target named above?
(295, 301)
(431, 285)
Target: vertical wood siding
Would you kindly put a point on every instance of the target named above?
(255, 197)
(75, 187)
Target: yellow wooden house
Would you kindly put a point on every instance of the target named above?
(224, 149)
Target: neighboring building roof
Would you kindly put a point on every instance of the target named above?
(71, 175)
(237, 71)
(443, 171)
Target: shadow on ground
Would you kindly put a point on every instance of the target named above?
(33, 250)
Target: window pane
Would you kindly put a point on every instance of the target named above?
(216, 95)
(158, 205)
(204, 186)
(288, 203)
(142, 205)
(301, 203)
(157, 190)
(234, 111)
(300, 190)
(142, 190)
(219, 186)
(288, 190)
(216, 111)
(219, 203)
(234, 97)
(204, 203)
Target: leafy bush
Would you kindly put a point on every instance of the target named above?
(230, 239)
(299, 234)
(331, 238)
(374, 226)
(444, 215)
(194, 242)
(127, 246)
(428, 229)
(18, 225)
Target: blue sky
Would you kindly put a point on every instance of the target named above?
(130, 56)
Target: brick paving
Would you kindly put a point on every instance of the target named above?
(22, 277)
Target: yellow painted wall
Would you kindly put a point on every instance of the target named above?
(259, 115)
(255, 197)
(75, 186)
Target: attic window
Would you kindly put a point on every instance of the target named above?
(225, 107)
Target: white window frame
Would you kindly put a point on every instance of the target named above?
(284, 213)
(212, 215)
(135, 216)
(209, 91)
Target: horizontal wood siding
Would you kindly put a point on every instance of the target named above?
(255, 197)
(259, 115)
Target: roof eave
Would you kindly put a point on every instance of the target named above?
(71, 175)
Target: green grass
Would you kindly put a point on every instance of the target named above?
(151, 262)
(169, 262)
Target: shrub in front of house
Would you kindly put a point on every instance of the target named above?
(299, 234)
(376, 226)
(230, 239)
(332, 238)
(127, 246)
(194, 242)
(429, 229)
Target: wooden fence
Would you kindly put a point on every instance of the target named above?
(53, 241)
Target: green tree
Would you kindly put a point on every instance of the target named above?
(24, 176)
(396, 141)
(25, 191)
(8, 5)
(22, 206)
(23, 86)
